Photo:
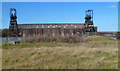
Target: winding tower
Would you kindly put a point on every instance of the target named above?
(89, 25)
(13, 27)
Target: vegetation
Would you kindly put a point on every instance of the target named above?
(94, 52)
(4, 32)
(59, 39)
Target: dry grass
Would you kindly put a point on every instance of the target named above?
(43, 55)
(60, 58)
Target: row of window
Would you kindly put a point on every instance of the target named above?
(51, 26)
(50, 32)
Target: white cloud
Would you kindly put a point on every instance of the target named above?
(112, 6)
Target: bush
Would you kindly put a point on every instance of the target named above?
(59, 39)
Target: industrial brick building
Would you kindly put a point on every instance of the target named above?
(50, 29)
(58, 29)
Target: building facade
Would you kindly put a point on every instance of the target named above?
(58, 29)
(50, 29)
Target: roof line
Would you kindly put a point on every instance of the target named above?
(55, 24)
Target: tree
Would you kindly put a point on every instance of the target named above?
(5, 32)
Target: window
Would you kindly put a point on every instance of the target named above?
(42, 31)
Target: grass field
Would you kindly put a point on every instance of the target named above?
(95, 53)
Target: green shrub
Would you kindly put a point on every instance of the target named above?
(69, 39)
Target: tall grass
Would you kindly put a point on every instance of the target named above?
(60, 58)
(71, 41)
(61, 53)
